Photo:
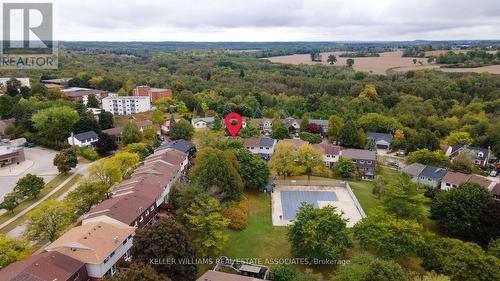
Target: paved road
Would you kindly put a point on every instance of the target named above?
(18, 231)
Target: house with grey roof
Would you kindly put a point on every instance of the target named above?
(382, 140)
(364, 160)
(86, 139)
(431, 176)
(264, 146)
(201, 123)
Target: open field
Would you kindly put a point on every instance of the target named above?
(380, 65)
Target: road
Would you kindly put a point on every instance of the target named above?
(81, 169)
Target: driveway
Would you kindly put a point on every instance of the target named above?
(38, 162)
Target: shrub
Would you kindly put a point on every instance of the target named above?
(89, 154)
(237, 213)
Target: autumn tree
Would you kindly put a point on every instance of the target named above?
(65, 160)
(12, 250)
(166, 239)
(283, 160)
(463, 162)
(334, 124)
(49, 220)
(311, 161)
(369, 92)
(463, 138)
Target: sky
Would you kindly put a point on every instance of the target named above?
(275, 20)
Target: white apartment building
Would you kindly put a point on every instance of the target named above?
(125, 105)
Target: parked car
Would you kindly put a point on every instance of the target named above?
(494, 173)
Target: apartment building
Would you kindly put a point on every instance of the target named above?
(153, 93)
(126, 105)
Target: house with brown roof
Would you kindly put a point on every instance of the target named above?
(48, 266)
(331, 153)
(82, 94)
(213, 275)
(263, 146)
(101, 246)
(454, 179)
(364, 160)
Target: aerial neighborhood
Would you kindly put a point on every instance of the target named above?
(218, 165)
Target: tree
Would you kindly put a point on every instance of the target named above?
(105, 144)
(311, 161)
(10, 201)
(371, 144)
(427, 157)
(350, 62)
(311, 138)
(54, 125)
(156, 117)
(182, 130)
(464, 162)
(461, 260)
(398, 140)
(254, 171)
(131, 133)
(12, 250)
(369, 92)
(215, 171)
(332, 59)
(92, 102)
(390, 237)
(138, 272)
(87, 122)
(204, 220)
(86, 195)
(304, 123)
(488, 226)
(362, 138)
(182, 108)
(314, 128)
(49, 220)
(258, 113)
(6, 106)
(494, 248)
(462, 138)
(280, 133)
(65, 160)
(106, 120)
(29, 186)
(286, 272)
(249, 131)
(459, 210)
(405, 199)
(348, 134)
(379, 184)
(334, 124)
(319, 233)
(370, 268)
(283, 160)
(166, 239)
(344, 168)
(375, 122)
(140, 149)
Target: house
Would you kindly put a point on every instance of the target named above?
(180, 145)
(101, 246)
(291, 124)
(382, 140)
(263, 146)
(10, 154)
(331, 153)
(48, 266)
(431, 176)
(364, 161)
(117, 131)
(213, 275)
(265, 125)
(153, 93)
(168, 124)
(25, 82)
(86, 139)
(82, 94)
(126, 105)
(323, 124)
(6, 123)
(297, 143)
(482, 155)
(201, 123)
(454, 179)
(59, 82)
(235, 270)
(413, 170)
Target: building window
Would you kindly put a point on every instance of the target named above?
(152, 208)
(362, 161)
(368, 162)
(76, 276)
(112, 254)
(106, 260)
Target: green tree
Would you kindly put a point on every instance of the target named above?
(156, 116)
(137, 272)
(348, 134)
(379, 184)
(10, 201)
(12, 250)
(140, 149)
(311, 161)
(390, 237)
(49, 220)
(459, 210)
(105, 144)
(334, 124)
(405, 199)
(106, 120)
(168, 239)
(311, 138)
(461, 260)
(182, 108)
(332, 59)
(131, 133)
(463, 162)
(494, 248)
(258, 113)
(251, 130)
(303, 124)
(375, 122)
(362, 138)
(29, 186)
(254, 171)
(55, 124)
(182, 130)
(283, 160)
(427, 157)
(85, 196)
(87, 122)
(206, 223)
(215, 171)
(370, 268)
(350, 62)
(93, 102)
(319, 233)
(344, 168)
(463, 138)
(65, 160)
(6, 106)
(280, 133)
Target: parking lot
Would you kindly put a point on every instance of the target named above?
(38, 162)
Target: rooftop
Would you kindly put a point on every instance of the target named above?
(379, 136)
(433, 172)
(358, 154)
(86, 136)
(413, 169)
(213, 275)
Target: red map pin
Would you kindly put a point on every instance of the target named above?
(233, 128)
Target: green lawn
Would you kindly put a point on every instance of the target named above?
(260, 239)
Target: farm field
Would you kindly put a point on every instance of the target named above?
(389, 61)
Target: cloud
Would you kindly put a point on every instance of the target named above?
(276, 20)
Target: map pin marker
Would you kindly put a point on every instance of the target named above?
(233, 128)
